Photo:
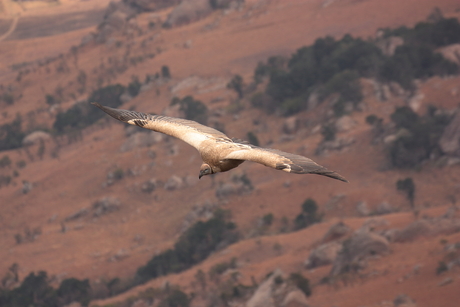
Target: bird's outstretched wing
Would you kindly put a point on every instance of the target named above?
(188, 131)
(280, 160)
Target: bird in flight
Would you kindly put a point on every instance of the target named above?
(218, 152)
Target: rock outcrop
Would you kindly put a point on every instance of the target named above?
(187, 12)
(450, 139)
(323, 255)
(150, 5)
(356, 250)
(451, 52)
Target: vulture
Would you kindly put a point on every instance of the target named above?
(218, 152)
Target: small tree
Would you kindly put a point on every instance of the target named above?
(236, 84)
(267, 219)
(165, 73)
(50, 99)
(301, 282)
(252, 138)
(308, 216)
(407, 186)
(134, 87)
(328, 132)
(193, 109)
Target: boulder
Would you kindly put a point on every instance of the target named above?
(262, 297)
(336, 231)
(174, 183)
(388, 45)
(450, 139)
(295, 298)
(362, 208)
(403, 300)
(106, 205)
(149, 186)
(384, 208)
(26, 186)
(323, 255)
(187, 12)
(229, 188)
(345, 123)
(140, 140)
(36, 137)
(413, 231)
(291, 125)
(334, 145)
(356, 249)
(451, 52)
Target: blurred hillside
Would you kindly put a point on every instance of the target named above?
(94, 212)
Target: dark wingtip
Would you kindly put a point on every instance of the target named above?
(334, 175)
(97, 105)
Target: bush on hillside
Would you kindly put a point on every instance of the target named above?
(35, 290)
(236, 84)
(82, 114)
(134, 86)
(11, 135)
(443, 32)
(333, 66)
(411, 62)
(407, 186)
(308, 216)
(193, 246)
(417, 136)
(193, 109)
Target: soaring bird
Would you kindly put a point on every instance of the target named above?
(218, 152)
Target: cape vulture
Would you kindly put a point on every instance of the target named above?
(218, 151)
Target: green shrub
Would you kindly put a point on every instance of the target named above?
(21, 164)
(442, 267)
(328, 132)
(267, 219)
(35, 290)
(264, 102)
(5, 161)
(8, 98)
(82, 114)
(301, 282)
(346, 84)
(418, 136)
(193, 246)
(50, 99)
(334, 66)
(407, 186)
(11, 135)
(374, 120)
(74, 290)
(193, 109)
(308, 216)
(445, 31)
(252, 138)
(411, 62)
(165, 72)
(221, 267)
(176, 298)
(134, 86)
(236, 84)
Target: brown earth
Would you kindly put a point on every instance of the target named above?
(220, 46)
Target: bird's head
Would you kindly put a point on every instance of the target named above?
(205, 169)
